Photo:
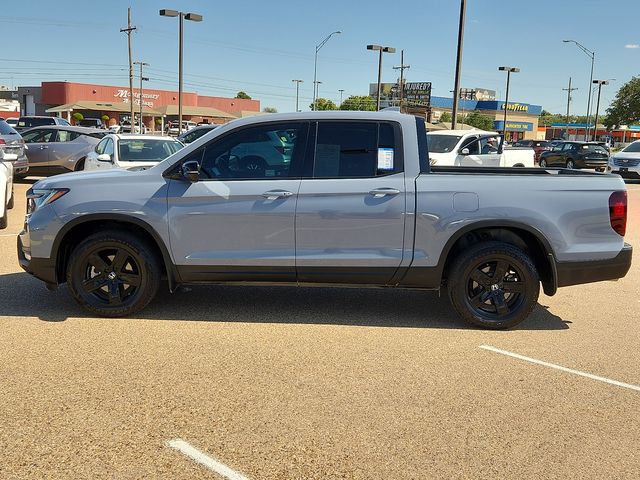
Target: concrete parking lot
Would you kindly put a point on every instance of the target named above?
(286, 383)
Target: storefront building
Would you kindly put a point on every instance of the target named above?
(522, 118)
(576, 131)
(114, 103)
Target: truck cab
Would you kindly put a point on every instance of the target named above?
(475, 148)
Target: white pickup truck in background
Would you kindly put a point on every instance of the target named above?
(475, 148)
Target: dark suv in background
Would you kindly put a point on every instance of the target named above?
(576, 155)
(36, 121)
(538, 146)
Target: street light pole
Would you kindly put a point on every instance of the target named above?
(456, 87)
(315, 65)
(509, 70)
(595, 125)
(141, 79)
(381, 50)
(591, 54)
(297, 82)
(194, 17)
(341, 90)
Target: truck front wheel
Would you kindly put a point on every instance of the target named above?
(113, 274)
(493, 285)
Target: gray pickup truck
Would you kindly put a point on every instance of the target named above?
(333, 198)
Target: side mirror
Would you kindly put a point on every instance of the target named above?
(9, 157)
(464, 151)
(191, 171)
(104, 157)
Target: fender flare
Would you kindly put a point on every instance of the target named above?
(173, 276)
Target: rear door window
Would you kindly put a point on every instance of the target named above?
(356, 150)
(5, 129)
(66, 136)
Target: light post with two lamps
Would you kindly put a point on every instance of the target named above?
(194, 17)
(509, 71)
(381, 49)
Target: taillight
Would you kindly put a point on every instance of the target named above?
(618, 212)
(2, 142)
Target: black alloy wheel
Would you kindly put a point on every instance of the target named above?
(543, 163)
(113, 274)
(570, 164)
(493, 285)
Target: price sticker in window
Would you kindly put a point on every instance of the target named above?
(385, 159)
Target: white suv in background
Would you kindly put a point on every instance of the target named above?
(626, 162)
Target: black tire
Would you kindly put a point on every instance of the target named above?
(4, 219)
(80, 165)
(543, 163)
(12, 201)
(570, 165)
(493, 285)
(113, 274)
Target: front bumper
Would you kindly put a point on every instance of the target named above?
(576, 273)
(41, 268)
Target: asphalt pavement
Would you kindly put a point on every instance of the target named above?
(317, 383)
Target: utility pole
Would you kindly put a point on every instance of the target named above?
(141, 79)
(568, 90)
(129, 30)
(456, 87)
(401, 67)
(297, 82)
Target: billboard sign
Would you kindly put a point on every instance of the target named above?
(418, 93)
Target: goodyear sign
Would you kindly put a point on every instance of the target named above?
(516, 107)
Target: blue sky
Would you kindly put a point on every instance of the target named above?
(259, 46)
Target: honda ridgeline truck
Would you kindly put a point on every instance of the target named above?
(352, 200)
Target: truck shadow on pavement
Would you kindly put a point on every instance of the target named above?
(24, 296)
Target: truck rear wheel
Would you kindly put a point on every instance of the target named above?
(493, 285)
(113, 274)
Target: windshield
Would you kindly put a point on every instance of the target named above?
(442, 143)
(633, 148)
(146, 150)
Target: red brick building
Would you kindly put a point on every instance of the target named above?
(158, 106)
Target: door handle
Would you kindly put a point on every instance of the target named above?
(274, 194)
(42, 147)
(382, 192)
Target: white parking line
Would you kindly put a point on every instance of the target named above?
(564, 369)
(205, 460)
(9, 234)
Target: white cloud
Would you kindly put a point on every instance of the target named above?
(632, 45)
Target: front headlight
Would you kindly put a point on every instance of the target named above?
(39, 197)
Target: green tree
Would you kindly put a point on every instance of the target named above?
(269, 110)
(356, 102)
(243, 95)
(446, 117)
(625, 108)
(324, 104)
(77, 117)
(478, 120)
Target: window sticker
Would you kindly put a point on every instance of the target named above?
(385, 159)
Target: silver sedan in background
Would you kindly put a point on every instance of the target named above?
(59, 149)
